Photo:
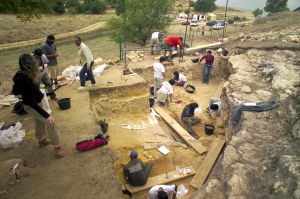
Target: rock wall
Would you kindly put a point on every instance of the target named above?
(262, 157)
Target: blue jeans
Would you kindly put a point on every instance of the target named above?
(89, 74)
(207, 71)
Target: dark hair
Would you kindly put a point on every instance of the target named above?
(161, 59)
(50, 37)
(209, 52)
(172, 81)
(214, 107)
(78, 38)
(133, 156)
(193, 106)
(177, 75)
(162, 195)
(180, 39)
(38, 52)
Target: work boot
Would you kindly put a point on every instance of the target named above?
(44, 142)
(103, 126)
(59, 152)
(169, 60)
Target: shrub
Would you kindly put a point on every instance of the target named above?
(98, 7)
(72, 3)
(180, 5)
(88, 12)
(230, 21)
(72, 10)
(236, 18)
(186, 11)
(244, 18)
(59, 7)
(192, 4)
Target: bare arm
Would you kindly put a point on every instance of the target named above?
(163, 74)
(170, 97)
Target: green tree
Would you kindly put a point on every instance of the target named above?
(205, 6)
(98, 7)
(59, 7)
(72, 3)
(276, 6)
(192, 4)
(230, 21)
(236, 18)
(143, 17)
(258, 12)
(119, 7)
(112, 3)
(26, 9)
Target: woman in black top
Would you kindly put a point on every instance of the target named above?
(25, 84)
(188, 117)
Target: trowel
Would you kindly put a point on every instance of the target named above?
(149, 157)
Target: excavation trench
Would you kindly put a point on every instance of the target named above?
(125, 105)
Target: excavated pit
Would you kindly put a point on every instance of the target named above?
(122, 104)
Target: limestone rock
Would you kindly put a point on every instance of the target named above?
(197, 54)
(246, 89)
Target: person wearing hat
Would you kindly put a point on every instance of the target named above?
(162, 192)
(209, 60)
(165, 90)
(135, 172)
(188, 117)
(159, 73)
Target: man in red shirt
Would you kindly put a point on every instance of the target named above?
(169, 42)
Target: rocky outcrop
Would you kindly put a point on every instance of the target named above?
(261, 158)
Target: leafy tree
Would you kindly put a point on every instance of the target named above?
(98, 7)
(205, 6)
(258, 12)
(143, 17)
(26, 9)
(192, 4)
(59, 7)
(119, 7)
(72, 3)
(236, 18)
(112, 3)
(230, 21)
(276, 6)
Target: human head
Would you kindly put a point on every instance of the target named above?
(194, 105)
(209, 53)
(77, 41)
(134, 155)
(214, 107)
(176, 75)
(180, 39)
(51, 38)
(37, 53)
(29, 66)
(162, 194)
(172, 81)
(162, 59)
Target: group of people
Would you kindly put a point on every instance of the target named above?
(137, 174)
(32, 71)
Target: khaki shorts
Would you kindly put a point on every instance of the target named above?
(166, 46)
(53, 71)
(161, 96)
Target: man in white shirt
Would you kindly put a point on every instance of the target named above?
(215, 106)
(155, 40)
(162, 192)
(159, 73)
(165, 90)
(86, 58)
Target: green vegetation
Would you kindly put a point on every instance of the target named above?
(276, 6)
(142, 18)
(258, 12)
(112, 3)
(230, 21)
(236, 18)
(59, 7)
(205, 6)
(88, 7)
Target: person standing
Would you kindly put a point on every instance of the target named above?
(179, 78)
(86, 58)
(155, 40)
(188, 117)
(43, 62)
(159, 74)
(209, 58)
(25, 84)
(162, 192)
(135, 172)
(169, 42)
(49, 49)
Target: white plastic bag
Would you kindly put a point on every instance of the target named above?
(99, 69)
(181, 191)
(45, 103)
(198, 110)
(12, 137)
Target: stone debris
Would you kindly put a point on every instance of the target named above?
(136, 56)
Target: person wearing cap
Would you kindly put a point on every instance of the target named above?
(49, 49)
(179, 78)
(165, 90)
(188, 117)
(162, 192)
(169, 42)
(209, 60)
(135, 172)
(155, 40)
(159, 73)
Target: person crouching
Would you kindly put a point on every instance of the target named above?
(165, 90)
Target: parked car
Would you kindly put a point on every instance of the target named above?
(185, 23)
(218, 26)
(194, 23)
(211, 23)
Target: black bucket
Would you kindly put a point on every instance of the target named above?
(192, 88)
(195, 60)
(151, 101)
(64, 103)
(209, 129)
(152, 90)
(19, 109)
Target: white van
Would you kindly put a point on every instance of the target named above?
(194, 22)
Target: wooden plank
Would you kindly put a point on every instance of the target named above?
(203, 46)
(161, 179)
(218, 93)
(181, 131)
(208, 163)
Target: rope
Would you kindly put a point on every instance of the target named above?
(11, 143)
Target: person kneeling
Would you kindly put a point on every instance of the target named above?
(162, 192)
(179, 78)
(215, 106)
(135, 172)
(188, 117)
(165, 90)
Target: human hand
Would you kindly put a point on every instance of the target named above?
(50, 120)
(88, 68)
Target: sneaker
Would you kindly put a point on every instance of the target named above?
(53, 98)
(59, 152)
(169, 60)
(203, 82)
(206, 82)
(91, 85)
(44, 142)
(81, 88)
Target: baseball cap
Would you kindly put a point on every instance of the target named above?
(134, 153)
